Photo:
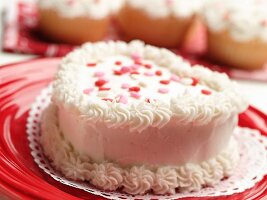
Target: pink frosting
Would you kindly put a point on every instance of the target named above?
(171, 145)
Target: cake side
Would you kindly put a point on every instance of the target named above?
(174, 144)
(138, 179)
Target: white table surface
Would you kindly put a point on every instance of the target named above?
(255, 92)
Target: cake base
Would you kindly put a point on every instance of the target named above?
(245, 55)
(165, 32)
(71, 30)
(132, 179)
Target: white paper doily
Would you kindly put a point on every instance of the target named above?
(250, 170)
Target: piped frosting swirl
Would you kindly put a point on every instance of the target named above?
(138, 179)
(101, 81)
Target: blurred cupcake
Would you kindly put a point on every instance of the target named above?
(158, 22)
(76, 21)
(237, 32)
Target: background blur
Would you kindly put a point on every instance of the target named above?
(256, 92)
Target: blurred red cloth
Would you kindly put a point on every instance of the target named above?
(21, 35)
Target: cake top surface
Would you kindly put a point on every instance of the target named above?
(245, 20)
(129, 79)
(165, 8)
(96, 9)
(140, 85)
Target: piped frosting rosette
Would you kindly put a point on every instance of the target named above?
(129, 89)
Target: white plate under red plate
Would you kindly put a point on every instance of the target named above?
(20, 177)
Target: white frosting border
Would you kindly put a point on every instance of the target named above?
(184, 109)
(136, 179)
(79, 8)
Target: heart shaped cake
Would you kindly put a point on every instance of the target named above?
(136, 118)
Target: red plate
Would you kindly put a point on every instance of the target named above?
(20, 177)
